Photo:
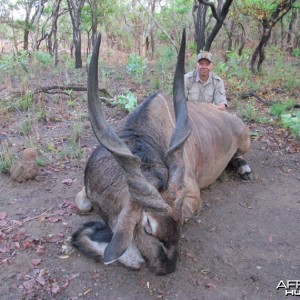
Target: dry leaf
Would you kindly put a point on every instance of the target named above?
(3, 215)
(210, 286)
(36, 261)
(41, 280)
(28, 285)
(55, 288)
(67, 181)
(16, 223)
(189, 255)
(53, 219)
(270, 238)
(40, 249)
(27, 244)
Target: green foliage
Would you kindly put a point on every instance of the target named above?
(280, 71)
(71, 101)
(42, 113)
(25, 102)
(6, 158)
(73, 149)
(174, 14)
(236, 65)
(26, 127)
(136, 66)
(224, 177)
(236, 71)
(51, 147)
(192, 47)
(182, 6)
(42, 57)
(164, 69)
(258, 9)
(249, 113)
(296, 52)
(77, 130)
(12, 64)
(127, 101)
(41, 161)
(277, 109)
(292, 122)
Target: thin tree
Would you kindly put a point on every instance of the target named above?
(75, 7)
(28, 6)
(94, 19)
(268, 22)
(219, 13)
(293, 30)
(199, 15)
(40, 5)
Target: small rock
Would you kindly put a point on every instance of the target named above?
(29, 154)
(26, 168)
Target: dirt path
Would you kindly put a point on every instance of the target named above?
(240, 246)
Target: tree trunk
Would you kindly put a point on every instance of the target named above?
(200, 26)
(55, 16)
(220, 15)
(241, 39)
(268, 23)
(152, 28)
(94, 8)
(293, 29)
(75, 10)
(230, 33)
(39, 11)
(259, 52)
(28, 8)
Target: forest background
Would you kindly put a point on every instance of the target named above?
(256, 46)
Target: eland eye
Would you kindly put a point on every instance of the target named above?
(147, 227)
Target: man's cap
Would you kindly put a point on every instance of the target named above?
(206, 55)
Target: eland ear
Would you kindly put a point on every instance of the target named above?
(121, 240)
(123, 233)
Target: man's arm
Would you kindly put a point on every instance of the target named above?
(220, 100)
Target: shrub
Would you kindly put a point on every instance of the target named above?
(136, 66)
(293, 123)
(127, 102)
(42, 57)
(277, 109)
(6, 158)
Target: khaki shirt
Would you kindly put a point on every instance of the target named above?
(212, 91)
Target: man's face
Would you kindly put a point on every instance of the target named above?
(204, 66)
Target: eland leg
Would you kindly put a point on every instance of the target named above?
(83, 203)
(242, 166)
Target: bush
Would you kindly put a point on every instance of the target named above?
(42, 57)
(6, 158)
(136, 66)
(12, 64)
(277, 109)
(127, 102)
(293, 123)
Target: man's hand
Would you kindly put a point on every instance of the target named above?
(221, 106)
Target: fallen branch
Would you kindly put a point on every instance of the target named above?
(104, 95)
(57, 88)
(10, 227)
(251, 94)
